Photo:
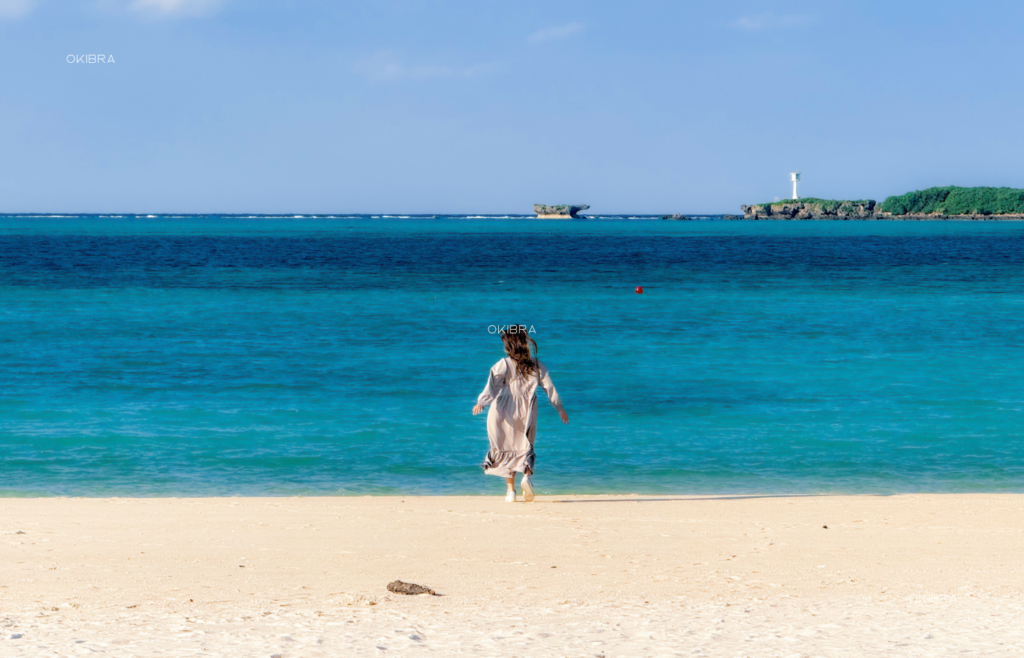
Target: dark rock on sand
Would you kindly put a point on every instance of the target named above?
(398, 587)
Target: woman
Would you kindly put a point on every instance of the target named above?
(512, 421)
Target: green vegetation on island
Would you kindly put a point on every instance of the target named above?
(933, 203)
(952, 200)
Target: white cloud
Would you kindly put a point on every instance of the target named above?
(387, 67)
(175, 8)
(759, 22)
(555, 33)
(15, 8)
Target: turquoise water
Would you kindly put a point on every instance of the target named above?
(311, 355)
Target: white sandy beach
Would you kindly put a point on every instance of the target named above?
(914, 575)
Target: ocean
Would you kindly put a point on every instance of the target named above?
(297, 355)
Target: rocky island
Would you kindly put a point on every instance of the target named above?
(949, 202)
(811, 209)
(558, 212)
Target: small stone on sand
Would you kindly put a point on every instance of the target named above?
(398, 587)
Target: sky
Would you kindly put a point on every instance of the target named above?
(403, 106)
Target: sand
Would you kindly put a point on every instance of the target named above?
(913, 575)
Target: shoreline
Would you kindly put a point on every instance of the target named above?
(153, 572)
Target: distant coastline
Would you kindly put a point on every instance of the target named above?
(936, 203)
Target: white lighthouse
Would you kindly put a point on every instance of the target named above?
(795, 177)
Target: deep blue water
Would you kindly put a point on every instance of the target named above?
(272, 355)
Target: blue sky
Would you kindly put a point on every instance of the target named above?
(464, 107)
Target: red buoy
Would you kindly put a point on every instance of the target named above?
(639, 290)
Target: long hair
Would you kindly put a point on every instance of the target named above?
(517, 346)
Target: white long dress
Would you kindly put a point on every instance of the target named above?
(512, 418)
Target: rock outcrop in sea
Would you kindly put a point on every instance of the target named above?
(811, 210)
(558, 212)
